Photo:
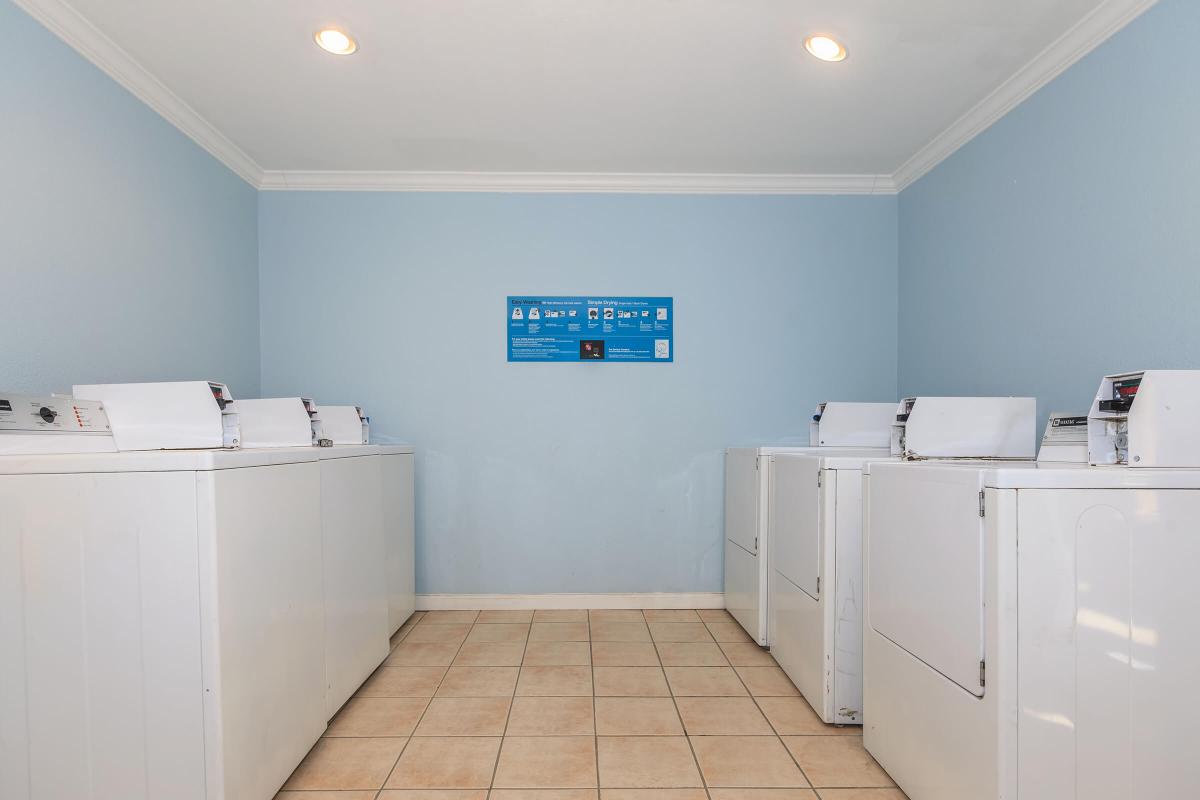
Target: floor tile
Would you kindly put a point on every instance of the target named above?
(746, 761)
(561, 654)
(499, 632)
(549, 762)
(465, 762)
(346, 764)
(560, 615)
(792, 716)
(722, 716)
(728, 632)
(704, 682)
(637, 716)
(454, 632)
(377, 716)
(559, 632)
(616, 615)
(369, 794)
(670, 615)
(490, 654)
(465, 716)
(429, 794)
(691, 654)
(653, 794)
(402, 682)
(762, 794)
(478, 682)
(620, 632)
(679, 632)
(624, 654)
(837, 761)
(555, 681)
(650, 762)
(747, 654)
(543, 794)
(767, 681)
(551, 716)
(422, 654)
(862, 794)
(630, 682)
(443, 617)
(715, 615)
(487, 617)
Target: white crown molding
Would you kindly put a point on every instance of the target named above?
(70, 26)
(1084, 37)
(1094, 29)
(499, 602)
(581, 182)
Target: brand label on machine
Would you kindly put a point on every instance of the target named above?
(590, 328)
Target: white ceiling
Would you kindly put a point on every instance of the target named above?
(585, 86)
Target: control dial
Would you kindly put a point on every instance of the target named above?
(48, 414)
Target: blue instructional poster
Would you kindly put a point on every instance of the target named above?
(590, 328)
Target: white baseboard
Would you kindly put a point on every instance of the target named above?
(490, 602)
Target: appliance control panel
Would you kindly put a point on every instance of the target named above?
(20, 413)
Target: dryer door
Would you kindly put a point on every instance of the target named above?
(795, 520)
(742, 498)
(924, 569)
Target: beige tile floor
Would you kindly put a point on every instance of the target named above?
(582, 705)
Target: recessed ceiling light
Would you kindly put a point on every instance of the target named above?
(334, 41)
(825, 48)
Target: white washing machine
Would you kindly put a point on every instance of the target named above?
(1031, 629)
(161, 625)
(816, 535)
(747, 502)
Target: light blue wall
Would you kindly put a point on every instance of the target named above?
(576, 477)
(126, 251)
(1064, 243)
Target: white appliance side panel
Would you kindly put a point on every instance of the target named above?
(1108, 651)
(844, 539)
(356, 599)
(743, 598)
(926, 552)
(101, 596)
(398, 506)
(261, 578)
(743, 492)
(794, 520)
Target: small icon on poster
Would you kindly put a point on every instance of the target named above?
(645, 312)
(535, 314)
(608, 313)
(662, 348)
(571, 313)
(662, 315)
(517, 313)
(591, 349)
(593, 313)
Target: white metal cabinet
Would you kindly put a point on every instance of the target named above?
(355, 593)
(398, 522)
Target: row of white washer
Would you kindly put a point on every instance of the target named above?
(184, 623)
(986, 669)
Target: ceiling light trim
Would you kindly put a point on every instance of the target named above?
(1085, 36)
(575, 183)
(73, 28)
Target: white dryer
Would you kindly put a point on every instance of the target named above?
(1027, 625)
(747, 502)
(816, 588)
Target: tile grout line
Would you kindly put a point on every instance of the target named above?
(675, 702)
(416, 725)
(511, 702)
(595, 721)
(771, 725)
